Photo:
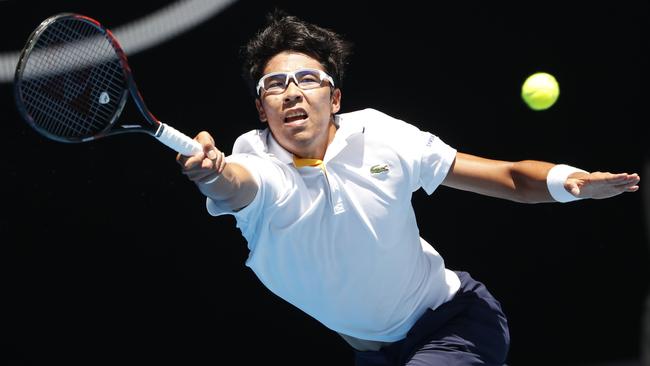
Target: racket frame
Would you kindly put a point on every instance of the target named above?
(153, 126)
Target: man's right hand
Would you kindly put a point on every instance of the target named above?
(231, 184)
(206, 166)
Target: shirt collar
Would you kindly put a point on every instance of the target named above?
(276, 150)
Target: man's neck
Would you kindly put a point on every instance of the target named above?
(319, 151)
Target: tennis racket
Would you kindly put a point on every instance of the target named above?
(72, 82)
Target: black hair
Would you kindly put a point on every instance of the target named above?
(284, 32)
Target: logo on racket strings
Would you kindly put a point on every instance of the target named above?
(104, 98)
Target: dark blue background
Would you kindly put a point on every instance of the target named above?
(108, 254)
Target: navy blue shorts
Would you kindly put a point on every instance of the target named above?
(470, 329)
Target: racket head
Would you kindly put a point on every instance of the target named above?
(72, 79)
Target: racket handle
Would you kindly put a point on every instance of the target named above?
(177, 140)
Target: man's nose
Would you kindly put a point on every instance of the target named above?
(292, 91)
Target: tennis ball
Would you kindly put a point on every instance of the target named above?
(540, 91)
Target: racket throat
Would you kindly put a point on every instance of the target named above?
(159, 131)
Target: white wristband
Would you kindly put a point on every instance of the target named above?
(212, 180)
(218, 175)
(555, 180)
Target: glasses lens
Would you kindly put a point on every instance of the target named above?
(274, 83)
(308, 79)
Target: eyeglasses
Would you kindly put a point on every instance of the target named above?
(277, 82)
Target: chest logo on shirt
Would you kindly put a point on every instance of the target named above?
(379, 169)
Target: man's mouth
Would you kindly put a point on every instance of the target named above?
(295, 116)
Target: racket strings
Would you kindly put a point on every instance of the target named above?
(72, 85)
(46, 60)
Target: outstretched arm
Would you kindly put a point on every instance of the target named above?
(529, 180)
(229, 183)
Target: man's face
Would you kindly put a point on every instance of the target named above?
(300, 119)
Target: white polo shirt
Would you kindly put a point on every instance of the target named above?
(341, 241)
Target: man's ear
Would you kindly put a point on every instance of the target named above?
(336, 101)
(260, 110)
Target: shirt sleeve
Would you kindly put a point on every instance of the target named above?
(435, 161)
(271, 182)
(426, 157)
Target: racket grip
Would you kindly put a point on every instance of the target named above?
(177, 140)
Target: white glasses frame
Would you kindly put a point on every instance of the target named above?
(292, 75)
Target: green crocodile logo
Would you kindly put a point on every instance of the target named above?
(379, 168)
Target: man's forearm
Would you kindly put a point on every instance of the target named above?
(235, 187)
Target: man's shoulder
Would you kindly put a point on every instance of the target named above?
(374, 121)
(367, 114)
(251, 142)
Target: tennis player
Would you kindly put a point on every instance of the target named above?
(323, 200)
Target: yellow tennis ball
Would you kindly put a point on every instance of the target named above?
(540, 91)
